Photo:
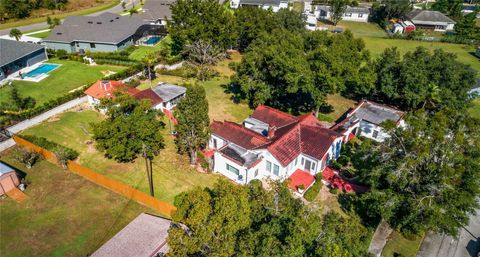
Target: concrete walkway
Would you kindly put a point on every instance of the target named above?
(39, 119)
(379, 239)
(466, 245)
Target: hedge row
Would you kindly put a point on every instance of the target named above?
(313, 191)
(128, 62)
(70, 154)
(130, 71)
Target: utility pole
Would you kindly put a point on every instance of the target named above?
(148, 167)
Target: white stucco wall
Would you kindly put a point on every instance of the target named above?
(220, 166)
(345, 17)
(368, 129)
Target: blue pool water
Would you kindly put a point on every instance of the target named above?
(42, 69)
(152, 40)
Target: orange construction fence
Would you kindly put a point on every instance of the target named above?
(99, 179)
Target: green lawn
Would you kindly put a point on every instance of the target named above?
(28, 21)
(64, 214)
(142, 51)
(40, 34)
(400, 245)
(171, 172)
(376, 41)
(475, 109)
(69, 76)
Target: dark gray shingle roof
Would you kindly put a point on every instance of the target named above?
(156, 9)
(429, 17)
(168, 91)
(262, 2)
(377, 113)
(349, 9)
(11, 50)
(107, 28)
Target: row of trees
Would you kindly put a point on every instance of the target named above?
(18, 9)
(232, 220)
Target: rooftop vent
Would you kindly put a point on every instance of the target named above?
(117, 18)
(99, 22)
(59, 33)
(111, 20)
(90, 22)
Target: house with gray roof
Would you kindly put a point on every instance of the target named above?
(107, 32)
(434, 20)
(274, 5)
(163, 96)
(156, 11)
(359, 13)
(145, 236)
(16, 55)
(367, 120)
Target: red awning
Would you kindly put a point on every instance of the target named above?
(300, 177)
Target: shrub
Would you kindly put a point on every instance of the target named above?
(313, 191)
(61, 54)
(335, 165)
(343, 160)
(133, 83)
(60, 151)
(334, 190)
(25, 156)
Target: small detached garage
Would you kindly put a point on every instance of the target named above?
(8, 179)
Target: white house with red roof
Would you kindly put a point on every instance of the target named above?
(366, 120)
(106, 89)
(271, 144)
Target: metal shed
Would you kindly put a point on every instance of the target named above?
(8, 178)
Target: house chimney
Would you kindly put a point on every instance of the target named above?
(105, 85)
(271, 131)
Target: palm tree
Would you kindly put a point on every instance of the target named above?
(148, 62)
(132, 11)
(432, 97)
(15, 33)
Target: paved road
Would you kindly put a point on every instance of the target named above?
(42, 25)
(467, 244)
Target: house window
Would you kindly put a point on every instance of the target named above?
(348, 14)
(256, 173)
(303, 160)
(375, 133)
(78, 45)
(296, 161)
(214, 143)
(313, 166)
(276, 170)
(269, 166)
(360, 15)
(233, 169)
(92, 45)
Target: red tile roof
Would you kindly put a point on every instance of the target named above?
(106, 88)
(273, 117)
(295, 135)
(150, 95)
(300, 177)
(238, 135)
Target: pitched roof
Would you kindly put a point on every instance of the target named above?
(272, 116)
(150, 95)
(429, 17)
(262, 2)
(11, 50)
(294, 135)
(106, 88)
(107, 28)
(146, 235)
(4, 168)
(168, 91)
(156, 9)
(238, 135)
(376, 113)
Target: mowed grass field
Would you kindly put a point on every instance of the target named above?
(64, 214)
(397, 244)
(376, 41)
(172, 173)
(69, 76)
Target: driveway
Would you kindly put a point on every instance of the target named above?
(38, 26)
(467, 244)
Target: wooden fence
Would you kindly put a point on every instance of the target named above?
(99, 179)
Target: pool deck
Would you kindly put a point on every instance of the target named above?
(15, 76)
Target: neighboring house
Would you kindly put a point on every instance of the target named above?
(477, 53)
(433, 20)
(475, 91)
(8, 178)
(107, 32)
(105, 89)
(15, 55)
(145, 236)
(273, 145)
(274, 5)
(156, 11)
(359, 14)
(366, 120)
(164, 96)
(24, 38)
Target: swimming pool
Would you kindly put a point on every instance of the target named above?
(152, 40)
(42, 69)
